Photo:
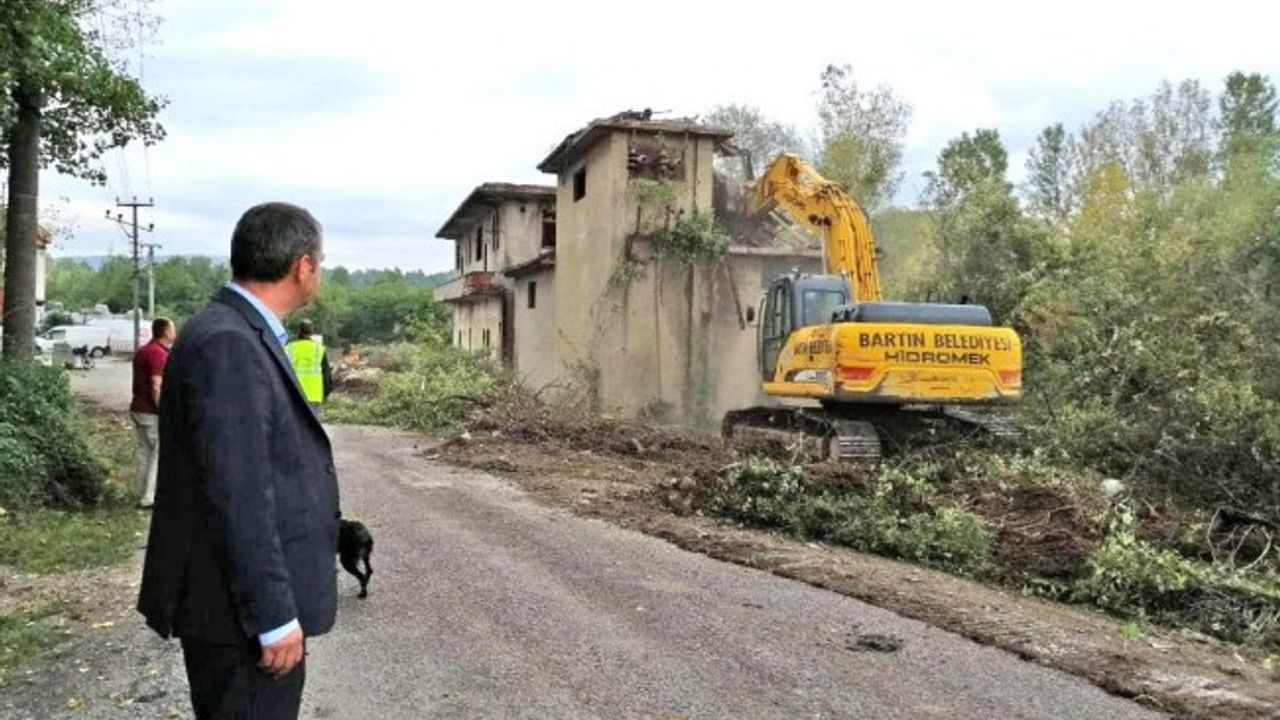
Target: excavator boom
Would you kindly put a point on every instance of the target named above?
(848, 247)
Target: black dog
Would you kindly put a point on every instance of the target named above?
(355, 544)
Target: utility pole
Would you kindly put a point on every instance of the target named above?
(133, 226)
(151, 277)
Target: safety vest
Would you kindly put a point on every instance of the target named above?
(306, 355)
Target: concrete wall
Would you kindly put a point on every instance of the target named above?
(724, 370)
(470, 321)
(535, 330)
(520, 232)
(485, 263)
(516, 225)
(588, 242)
(670, 342)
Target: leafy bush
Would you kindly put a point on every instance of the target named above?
(897, 517)
(45, 458)
(692, 238)
(1134, 578)
(435, 389)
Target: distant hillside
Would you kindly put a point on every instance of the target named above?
(95, 262)
(352, 277)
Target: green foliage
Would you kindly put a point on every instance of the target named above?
(87, 105)
(1128, 575)
(1134, 578)
(861, 135)
(895, 516)
(54, 319)
(1143, 280)
(965, 165)
(1246, 112)
(365, 306)
(183, 284)
(436, 388)
(694, 237)
(1048, 174)
(392, 308)
(655, 202)
(45, 457)
(906, 256)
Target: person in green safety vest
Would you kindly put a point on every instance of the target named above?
(310, 365)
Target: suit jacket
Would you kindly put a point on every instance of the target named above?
(245, 523)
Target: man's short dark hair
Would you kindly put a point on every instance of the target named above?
(159, 326)
(269, 239)
(305, 328)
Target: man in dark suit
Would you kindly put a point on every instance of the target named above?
(239, 562)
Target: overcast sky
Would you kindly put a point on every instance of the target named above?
(381, 115)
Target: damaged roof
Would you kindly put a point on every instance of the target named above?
(577, 143)
(483, 199)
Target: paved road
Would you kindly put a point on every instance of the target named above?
(107, 384)
(486, 605)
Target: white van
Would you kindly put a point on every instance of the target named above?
(94, 338)
(121, 335)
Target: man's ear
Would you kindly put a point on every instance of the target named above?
(299, 267)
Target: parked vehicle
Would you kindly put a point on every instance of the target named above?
(96, 339)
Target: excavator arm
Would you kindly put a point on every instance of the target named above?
(849, 249)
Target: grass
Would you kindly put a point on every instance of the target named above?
(48, 541)
(45, 541)
(25, 637)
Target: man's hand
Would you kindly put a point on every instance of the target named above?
(282, 656)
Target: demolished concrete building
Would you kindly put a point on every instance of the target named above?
(573, 284)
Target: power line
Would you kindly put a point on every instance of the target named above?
(142, 76)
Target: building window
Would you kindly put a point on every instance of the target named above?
(496, 234)
(580, 184)
(484, 337)
(458, 250)
(459, 338)
(479, 244)
(533, 294)
(548, 228)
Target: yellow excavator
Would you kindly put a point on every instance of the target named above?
(831, 338)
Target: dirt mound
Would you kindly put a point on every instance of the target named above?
(563, 427)
(1040, 530)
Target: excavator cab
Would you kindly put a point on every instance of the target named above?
(795, 301)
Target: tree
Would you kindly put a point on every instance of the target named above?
(337, 276)
(1246, 112)
(986, 249)
(965, 164)
(861, 136)
(1158, 141)
(1047, 175)
(762, 138)
(63, 103)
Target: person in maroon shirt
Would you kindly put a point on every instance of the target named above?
(148, 375)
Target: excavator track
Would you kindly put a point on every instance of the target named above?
(998, 425)
(815, 433)
(849, 435)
